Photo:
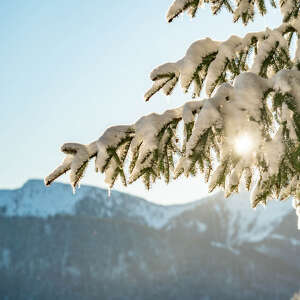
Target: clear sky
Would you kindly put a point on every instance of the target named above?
(71, 68)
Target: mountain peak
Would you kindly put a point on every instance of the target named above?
(243, 223)
(35, 199)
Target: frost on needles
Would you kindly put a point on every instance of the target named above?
(257, 101)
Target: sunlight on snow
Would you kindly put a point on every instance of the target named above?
(243, 144)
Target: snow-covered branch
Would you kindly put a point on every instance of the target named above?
(242, 9)
(246, 132)
(151, 142)
(213, 62)
(266, 111)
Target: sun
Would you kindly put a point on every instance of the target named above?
(243, 144)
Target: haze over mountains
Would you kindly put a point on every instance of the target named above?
(56, 245)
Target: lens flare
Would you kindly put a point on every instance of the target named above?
(243, 144)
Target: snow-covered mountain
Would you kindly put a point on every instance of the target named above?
(34, 199)
(244, 223)
(123, 247)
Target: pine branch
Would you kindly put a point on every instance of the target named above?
(243, 9)
(216, 62)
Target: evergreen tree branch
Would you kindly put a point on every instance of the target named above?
(242, 10)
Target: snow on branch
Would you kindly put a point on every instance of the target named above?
(289, 9)
(212, 63)
(151, 142)
(242, 10)
(76, 160)
(263, 114)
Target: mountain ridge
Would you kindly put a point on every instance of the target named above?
(58, 199)
(244, 223)
(90, 246)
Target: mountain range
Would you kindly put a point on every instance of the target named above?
(89, 245)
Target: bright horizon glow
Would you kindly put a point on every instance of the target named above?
(243, 144)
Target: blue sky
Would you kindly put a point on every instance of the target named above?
(71, 68)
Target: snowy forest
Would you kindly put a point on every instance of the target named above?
(242, 127)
